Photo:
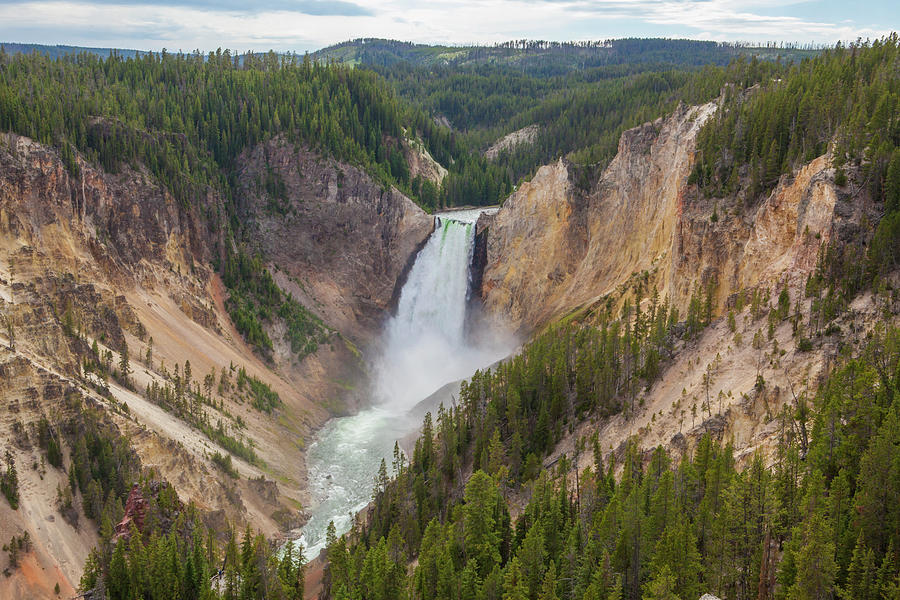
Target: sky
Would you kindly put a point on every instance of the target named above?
(307, 25)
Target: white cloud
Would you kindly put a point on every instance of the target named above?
(207, 25)
(730, 20)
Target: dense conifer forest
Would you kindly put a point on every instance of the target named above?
(543, 58)
(820, 521)
(829, 506)
(187, 117)
(474, 513)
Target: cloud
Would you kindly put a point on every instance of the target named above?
(750, 20)
(310, 24)
(730, 20)
(341, 8)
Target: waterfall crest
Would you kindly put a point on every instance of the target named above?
(424, 348)
(425, 345)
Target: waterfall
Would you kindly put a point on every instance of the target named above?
(424, 347)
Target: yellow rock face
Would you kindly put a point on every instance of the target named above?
(552, 247)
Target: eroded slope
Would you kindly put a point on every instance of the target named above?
(113, 261)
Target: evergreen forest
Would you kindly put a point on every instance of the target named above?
(483, 508)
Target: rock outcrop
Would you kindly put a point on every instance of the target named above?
(116, 260)
(553, 247)
(508, 142)
(342, 240)
(421, 163)
(135, 513)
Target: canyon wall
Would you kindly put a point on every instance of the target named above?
(115, 259)
(341, 240)
(554, 247)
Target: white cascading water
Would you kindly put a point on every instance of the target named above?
(425, 347)
(425, 339)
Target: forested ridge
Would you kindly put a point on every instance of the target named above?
(187, 117)
(544, 58)
(845, 103)
(579, 114)
(818, 519)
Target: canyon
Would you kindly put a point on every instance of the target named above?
(114, 258)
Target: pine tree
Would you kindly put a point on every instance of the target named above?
(10, 332)
(187, 375)
(677, 552)
(548, 586)
(124, 364)
(886, 573)
(862, 575)
(117, 579)
(892, 183)
(514, 584)
(9, 482)
(661, 586)
(291, 572)
(496, 457)
(815, 565)
(482, 541)
(532, 555)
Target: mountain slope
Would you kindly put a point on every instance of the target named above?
(115, 260)
(544, 58)
(708, 400)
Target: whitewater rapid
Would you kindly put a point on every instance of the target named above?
(425, 346)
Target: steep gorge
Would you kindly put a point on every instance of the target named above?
(114, 258)
(556, 249)
(118, 260)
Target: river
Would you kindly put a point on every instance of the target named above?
(424, 347)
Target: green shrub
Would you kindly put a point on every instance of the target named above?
(223, 461)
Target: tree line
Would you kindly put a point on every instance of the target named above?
(821, 521)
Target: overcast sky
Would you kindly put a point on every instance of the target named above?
(302, 25)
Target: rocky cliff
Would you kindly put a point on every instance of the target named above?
(526, 135)
(421, 163)
(340, 240)
(554, 248)
(113, 259)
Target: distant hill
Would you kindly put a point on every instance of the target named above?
(59, 50)
(555, 58)
(535, 57)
